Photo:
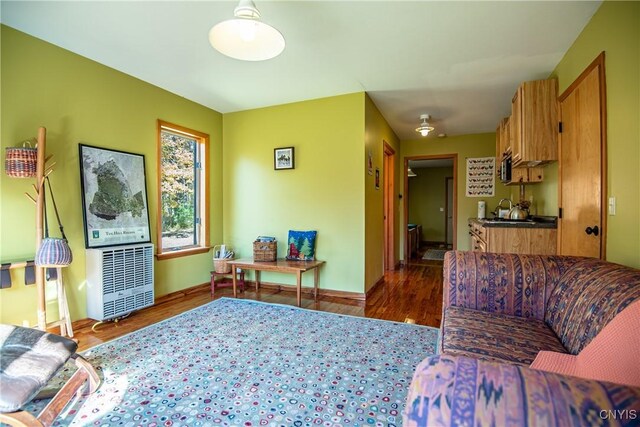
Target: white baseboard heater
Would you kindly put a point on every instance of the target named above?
(119, 280)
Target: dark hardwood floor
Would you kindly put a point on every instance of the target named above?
(411, 294)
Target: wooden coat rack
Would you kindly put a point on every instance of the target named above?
(42, 171)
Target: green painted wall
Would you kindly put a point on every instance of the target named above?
(615, 29)
(378, 130)
(427, 194)
(325, 191)
(477, 145)
(79, 100)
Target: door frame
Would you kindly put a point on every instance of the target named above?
(452, 156)
(388, 199)
(598, 62)
(446, 209)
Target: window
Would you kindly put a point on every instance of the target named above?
(183, 202)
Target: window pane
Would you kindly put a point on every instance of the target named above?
(179, 183)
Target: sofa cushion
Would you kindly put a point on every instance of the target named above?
(613, 355)
(587, 297)
(460, 391)
(513, 284)
(28, 360)
(496, 337)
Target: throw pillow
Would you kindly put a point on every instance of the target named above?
(612, 355)
(301, 245)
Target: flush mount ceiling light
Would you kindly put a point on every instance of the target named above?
(424, 127)
(246, 37)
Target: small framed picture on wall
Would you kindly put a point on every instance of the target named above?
(377, 178)
(283, 158)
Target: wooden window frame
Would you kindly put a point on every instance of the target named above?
(204, 245)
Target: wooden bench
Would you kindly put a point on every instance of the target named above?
(280, 266)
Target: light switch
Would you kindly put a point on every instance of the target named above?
(612, 205)
(441, 209)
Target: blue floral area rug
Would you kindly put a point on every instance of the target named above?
(245, 363)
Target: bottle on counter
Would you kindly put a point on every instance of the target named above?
(482, 209)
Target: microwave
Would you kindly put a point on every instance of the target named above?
(505, 169)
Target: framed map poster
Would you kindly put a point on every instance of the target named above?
(114, 197)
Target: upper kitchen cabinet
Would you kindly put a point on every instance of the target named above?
(503, 139)
(534, 124)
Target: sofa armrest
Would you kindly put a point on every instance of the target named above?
(513, 284)
(457, 391)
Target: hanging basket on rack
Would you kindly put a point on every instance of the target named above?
(53, 251)
(21, 162)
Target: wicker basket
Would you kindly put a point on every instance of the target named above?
(265, 251)
(221, 265)
(20, 162)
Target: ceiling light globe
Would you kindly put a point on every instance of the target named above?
(247, 29)
(424, 130)
(246, 39)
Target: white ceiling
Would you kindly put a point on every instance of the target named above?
(458, 61)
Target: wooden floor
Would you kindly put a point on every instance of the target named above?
(411, 294)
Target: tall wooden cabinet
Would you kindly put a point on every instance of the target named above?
(534, 124)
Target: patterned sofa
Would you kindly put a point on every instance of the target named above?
(499, 311)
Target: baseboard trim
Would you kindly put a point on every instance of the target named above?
(172, 296)
(375, 286)
(309, 290)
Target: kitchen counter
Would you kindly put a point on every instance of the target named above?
(533, 222)
(535, 236)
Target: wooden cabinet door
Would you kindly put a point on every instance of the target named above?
(506, 136)
(580, 175)
(526, 175)
(540, 241)
(515, 128)
(498, 145)
(534, 123)
(539, 122)
(503, 139)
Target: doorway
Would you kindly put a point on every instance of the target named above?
(430, 205)
(388, 175)
(581, 171)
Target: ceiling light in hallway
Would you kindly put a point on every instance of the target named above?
(424, 127)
